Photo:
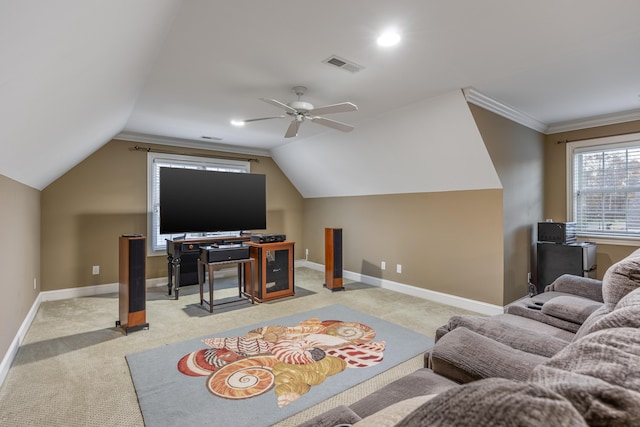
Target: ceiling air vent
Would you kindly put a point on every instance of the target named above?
(343, 64)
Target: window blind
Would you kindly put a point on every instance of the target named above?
(606, 190)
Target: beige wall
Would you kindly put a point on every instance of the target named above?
(449, 242)
(517, 153)
(19, 256)
(105, 196)
(555, 188)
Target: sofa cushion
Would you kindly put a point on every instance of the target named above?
(599, 375)
(340, 415)
(624, 317)
(619, 280)
(523, 309)
(418, 383)
(392, 415)
(465, 356)
(630, 300)
(570, 308)
(593, 318)
(497, 328)
(539, 327)
(494, 402)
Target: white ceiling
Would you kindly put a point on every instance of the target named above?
(77, 73)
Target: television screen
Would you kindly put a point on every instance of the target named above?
(208, 201)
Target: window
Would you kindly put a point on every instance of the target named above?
(604, 186)
(157, 242)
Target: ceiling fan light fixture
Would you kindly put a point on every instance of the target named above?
(388, 38)
(300, 110)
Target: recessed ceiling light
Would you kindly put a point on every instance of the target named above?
(388, 38)
(238, 123)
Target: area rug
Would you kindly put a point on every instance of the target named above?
(261, 374)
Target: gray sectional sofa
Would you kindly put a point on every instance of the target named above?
(567, 357)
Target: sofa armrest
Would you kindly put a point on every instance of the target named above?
(577, 285)
(464, 356)
(571, 309)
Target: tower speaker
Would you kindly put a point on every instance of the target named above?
(333, 258)
(132, 283)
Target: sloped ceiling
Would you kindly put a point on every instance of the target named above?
(77, 73)
(71, 74)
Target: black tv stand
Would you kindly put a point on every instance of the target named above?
(182, 259)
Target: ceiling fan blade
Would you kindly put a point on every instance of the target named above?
(263, 118)
(342, 107)
(293, 129)
(279, 105)
(333, 124)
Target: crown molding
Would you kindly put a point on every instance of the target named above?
(179, 142)
(481, 100)
(501, 109)
(591, 122)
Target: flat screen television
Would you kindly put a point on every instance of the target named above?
(196, 201)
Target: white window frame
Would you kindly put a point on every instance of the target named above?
(156, 243)
(605, 143)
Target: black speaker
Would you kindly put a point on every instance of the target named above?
(132, 286)
(137, 290)
(189, 268)
(333, 258)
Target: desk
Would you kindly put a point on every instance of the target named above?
(241, 278)
(182, 259)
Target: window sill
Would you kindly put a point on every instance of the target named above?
(615, 241)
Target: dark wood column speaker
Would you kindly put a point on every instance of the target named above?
(132, 283)
(333, 259)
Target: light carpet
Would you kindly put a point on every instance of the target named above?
(169, 395)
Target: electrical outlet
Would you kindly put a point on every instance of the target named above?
(35, 283)
(306, 254)
(399, 268)
(96, 270)
(383, 265)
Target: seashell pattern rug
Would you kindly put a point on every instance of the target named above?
(261, 374)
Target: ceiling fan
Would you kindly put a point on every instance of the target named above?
(300, 110)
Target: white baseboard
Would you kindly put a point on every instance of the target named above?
(60, 294)
(7, 360)
(455, 301)
(440, 297)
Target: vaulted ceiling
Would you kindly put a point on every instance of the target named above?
(78, 73)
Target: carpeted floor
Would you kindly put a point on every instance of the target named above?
(71, 370)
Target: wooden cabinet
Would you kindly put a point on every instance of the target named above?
(274, 270)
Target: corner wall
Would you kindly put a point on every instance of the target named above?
(517, 153)
(19, 256)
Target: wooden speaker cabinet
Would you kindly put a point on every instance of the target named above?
(132, 283)
(333, 259)
(275, 270)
